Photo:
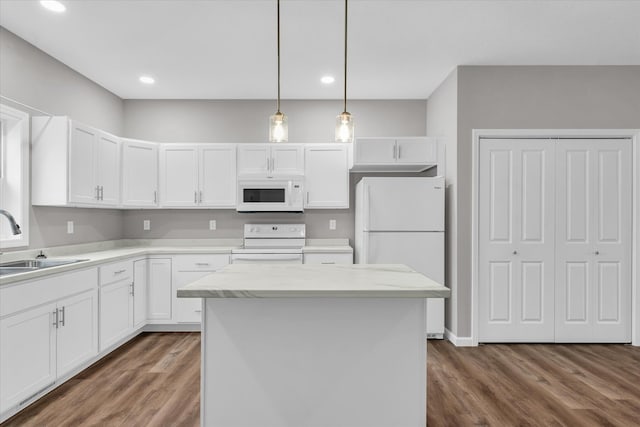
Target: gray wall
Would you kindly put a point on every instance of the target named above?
(442, 122)
(30, 76)
(532, 97)
(247, 121)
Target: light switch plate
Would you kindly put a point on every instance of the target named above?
(69, 227)
(146, 225)
(212, 224)
(332, 224)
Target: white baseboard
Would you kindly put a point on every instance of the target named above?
(177, 327)
(458, 341)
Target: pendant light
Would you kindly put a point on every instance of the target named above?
(344, 121)
(278, 123)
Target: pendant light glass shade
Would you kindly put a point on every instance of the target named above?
(344, 127)
(278, 128)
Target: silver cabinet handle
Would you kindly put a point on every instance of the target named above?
(195, 197)
(515, 252)
(155, 196)
(202, 264)
(55, 314)
(102, 192)
(597, 252)
(200, 196)
(327, 262)
(119, 271)
(395, 148)
(197, 311)
(132, 289)
(399, 148)
(307, 197)
(97, 192)
(63, 316)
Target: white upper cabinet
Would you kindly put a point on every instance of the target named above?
(394, 154)
(271, 160)
(327, 176)
(139, 173)
(217, 175)
(179, 175)
(74, 164)
(198, 175)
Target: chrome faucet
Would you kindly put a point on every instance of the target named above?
(15, 228)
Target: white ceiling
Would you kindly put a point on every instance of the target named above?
(397, 49)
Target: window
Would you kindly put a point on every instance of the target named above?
(14, 175)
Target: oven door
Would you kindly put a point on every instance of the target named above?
(269, 196)
(266, 259)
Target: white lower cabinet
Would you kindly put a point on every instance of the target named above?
(189, 268)
(116, 312)
(159, 290)
(140, 284)
(45, 341)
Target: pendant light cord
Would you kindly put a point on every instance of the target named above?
(345, 54)
(278, 102)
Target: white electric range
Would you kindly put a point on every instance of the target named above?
(271, 244)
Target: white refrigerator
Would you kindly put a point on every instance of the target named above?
(401, 221)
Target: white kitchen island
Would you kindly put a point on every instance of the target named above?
(314, 345)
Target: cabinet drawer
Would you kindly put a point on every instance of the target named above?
(22, 295)
(116, 272)
(211, 262)
(329, 258)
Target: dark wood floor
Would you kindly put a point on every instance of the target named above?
(154, 380)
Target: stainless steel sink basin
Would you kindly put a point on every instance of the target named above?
(26, 265)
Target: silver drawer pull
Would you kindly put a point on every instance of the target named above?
(197, 311)
(202, 264)
(327, 262)
(119, 271)
(63, 316)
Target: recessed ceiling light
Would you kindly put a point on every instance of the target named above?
(327, 80)
(54, 6)
(148, 80)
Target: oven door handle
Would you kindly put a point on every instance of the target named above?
(267, 257)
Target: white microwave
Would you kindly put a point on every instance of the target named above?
(270, 194)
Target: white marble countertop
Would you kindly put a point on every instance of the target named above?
(110, 251)
(309, 280)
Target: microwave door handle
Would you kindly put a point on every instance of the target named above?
(290, 184)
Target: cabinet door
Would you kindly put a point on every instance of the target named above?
(516, 245)
(593, 241)
(116, 312)
(188, 310)
(218, 176)
(108, 169)
(77, 339)
(375, 150)
(139, 173)
(327, 177)
(179, 175)
(27, 354)
(417, 150)
(83, 187)
(159, 290)
(254, 159)
(287, 159)
(140, 284)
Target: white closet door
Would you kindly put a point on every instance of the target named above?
(593, 241)
(516, 253)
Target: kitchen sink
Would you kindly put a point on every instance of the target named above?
(26, 265)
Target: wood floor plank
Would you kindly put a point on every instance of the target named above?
(154, 380)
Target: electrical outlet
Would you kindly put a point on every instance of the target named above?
(212, 224)
(332, 224)
(146, 225)
(69, 227)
